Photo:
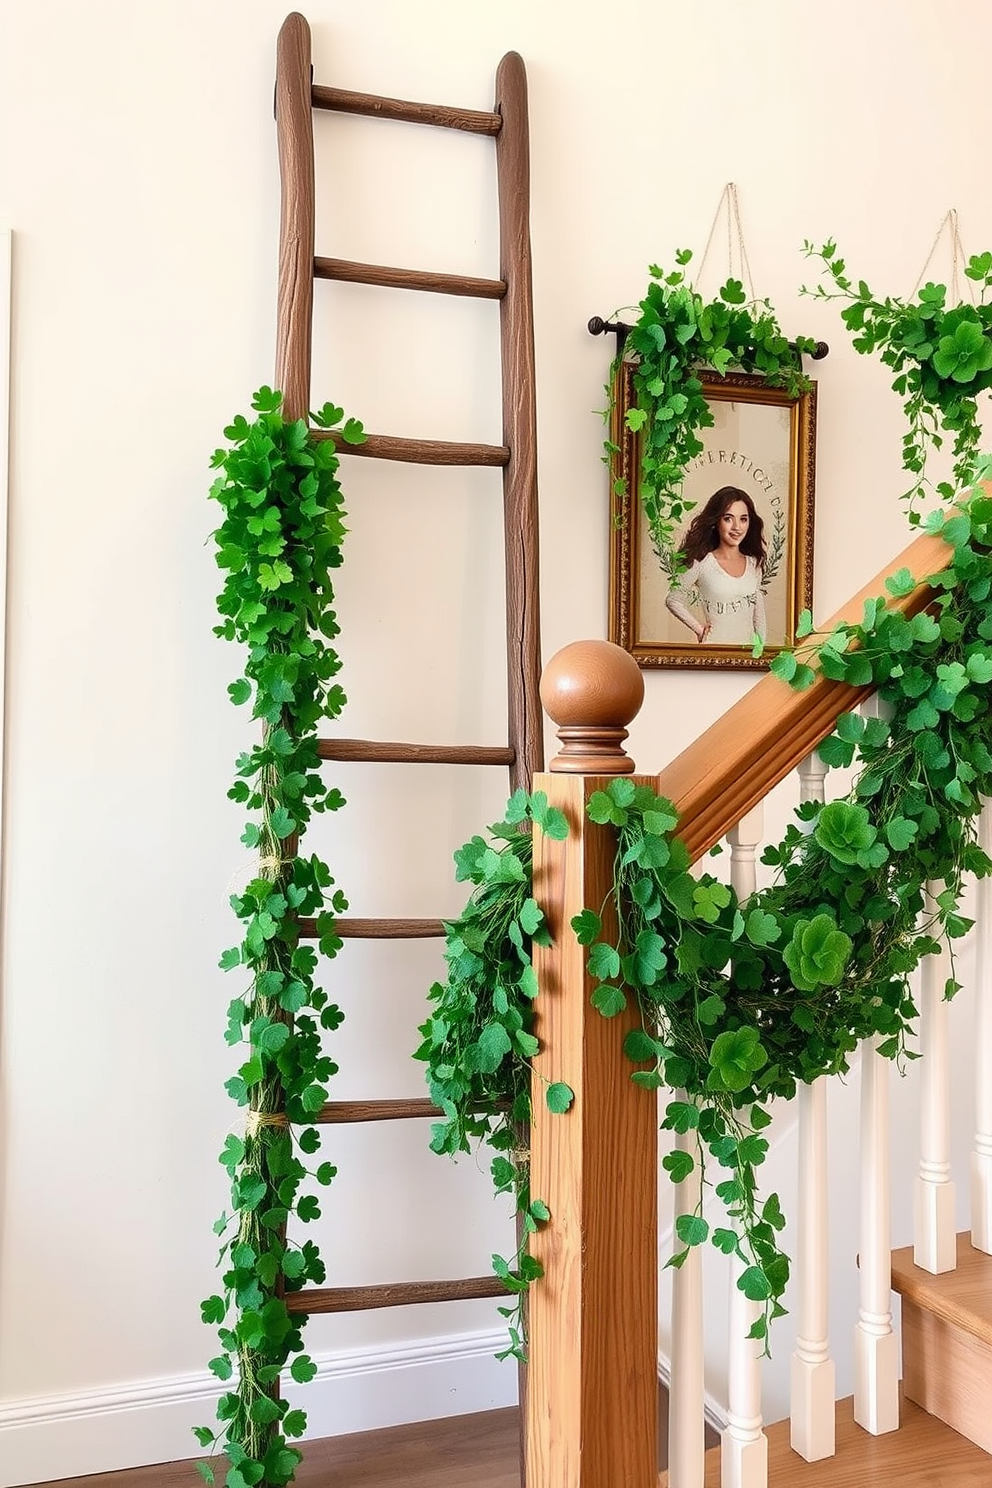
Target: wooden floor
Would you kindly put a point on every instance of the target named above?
(923, 1453)
(480, 1451)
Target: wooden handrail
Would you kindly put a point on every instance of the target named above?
(736, 762)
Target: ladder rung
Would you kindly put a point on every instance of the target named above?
(419, 451)
(350, 272)
(377, 929)
(368, 750)
(338, 1113)
(342, 101)
(393, 1294)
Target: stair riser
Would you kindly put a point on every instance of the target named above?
(948, 1372)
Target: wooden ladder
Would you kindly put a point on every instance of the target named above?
(296, 98)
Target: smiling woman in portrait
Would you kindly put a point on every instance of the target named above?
(724, 553)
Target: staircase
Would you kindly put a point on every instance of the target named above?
(593, 1347)
(945, 1416)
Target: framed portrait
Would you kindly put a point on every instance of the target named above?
(743, 562)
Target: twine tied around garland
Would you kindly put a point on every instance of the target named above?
(256, 1121)
(729, 205)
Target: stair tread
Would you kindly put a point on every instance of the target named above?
(923, 1453)
(962, 1297)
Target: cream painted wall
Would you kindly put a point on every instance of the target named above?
(137, 170)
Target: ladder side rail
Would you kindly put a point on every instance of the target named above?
(523, 654)
(294, 129)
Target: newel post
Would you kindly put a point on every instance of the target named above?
(593, 1319)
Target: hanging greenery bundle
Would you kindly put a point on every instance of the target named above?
(278, 545)
(477, 1041)
(940, 349)
(676, 333)
(740, 1002)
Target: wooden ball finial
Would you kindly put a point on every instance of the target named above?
(592, 690)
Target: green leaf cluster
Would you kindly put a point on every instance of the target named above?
(478, 1040)
(740, 1002)
(278, 544)
(675, 334)
(940, 353)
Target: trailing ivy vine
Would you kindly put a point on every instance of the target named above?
(676, 333)
(278, 544)
(941, 354)
(477, 1041)
(740, 1002)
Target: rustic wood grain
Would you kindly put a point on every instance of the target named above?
(755, 744)
(339, 1113)
(348, 271)
(356, 929)
(593, 1318)
(374, 106)
(523, 633)
(923, 1453)
(384, 752)
(419, 451)
(294, 130)
(393, 1294)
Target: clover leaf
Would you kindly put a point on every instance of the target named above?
(817, 953)
(735, 1058)
(965, 353)
(844, 830)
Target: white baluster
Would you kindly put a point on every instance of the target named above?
(813, 1382)
(934, 1237)
(743, 1444)
(686, 1424)
(744, 839)
(812, 773)
(981, 1157)
(876, 1348)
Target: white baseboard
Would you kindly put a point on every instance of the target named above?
(148, 1421)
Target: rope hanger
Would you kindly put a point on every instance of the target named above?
(949, 224)
(729, 205)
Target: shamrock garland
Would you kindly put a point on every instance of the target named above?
(278, 544)
(941, 355)
(676, 333)
(477, 1041)
(742, 1001)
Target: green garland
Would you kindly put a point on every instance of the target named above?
(941, 355)
(278, 544)
(676, 333)
(477, 1042)
(742, 1001)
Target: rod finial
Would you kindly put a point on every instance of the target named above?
(591, 690)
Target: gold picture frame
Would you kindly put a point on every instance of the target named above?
(763, 442)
